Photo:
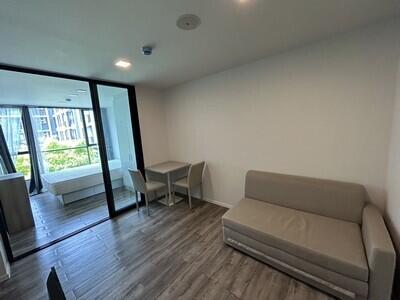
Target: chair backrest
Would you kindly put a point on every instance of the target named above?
(195, 175)
(54, 288)
(138, 181)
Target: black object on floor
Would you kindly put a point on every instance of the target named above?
(54, 288)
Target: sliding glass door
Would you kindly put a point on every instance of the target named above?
(120, 146)
(48, 124)
(72, 141)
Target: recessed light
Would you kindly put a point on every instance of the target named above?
(73, 95)
(123, 64)
(81, 91)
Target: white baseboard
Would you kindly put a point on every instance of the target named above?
(219, 203)
(223, 204)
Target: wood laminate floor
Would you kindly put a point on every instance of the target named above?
(54, 220)
(173, 254)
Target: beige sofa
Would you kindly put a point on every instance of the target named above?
(320, 231)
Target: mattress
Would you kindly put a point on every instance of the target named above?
(79, 178)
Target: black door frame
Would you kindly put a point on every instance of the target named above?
(93, 85)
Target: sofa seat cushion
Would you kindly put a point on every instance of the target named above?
(330, 243)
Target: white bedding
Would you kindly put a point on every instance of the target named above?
(79, 178)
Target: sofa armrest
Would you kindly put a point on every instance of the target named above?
(381, 255)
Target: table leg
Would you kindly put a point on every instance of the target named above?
(169, 188)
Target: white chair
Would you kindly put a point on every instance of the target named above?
(194, 178)
(145, 187)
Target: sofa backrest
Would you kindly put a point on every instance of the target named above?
(340, 200)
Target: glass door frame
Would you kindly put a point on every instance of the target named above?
(93, 87)
(94, 84)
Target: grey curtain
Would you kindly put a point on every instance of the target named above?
(36, 184)
(5, 156)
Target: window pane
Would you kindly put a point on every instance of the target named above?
(23, 165)
(90, 126)
(57, 158)
(58, 124)
(94, 154)
(62, 137)
(23, 145)
(11, 123)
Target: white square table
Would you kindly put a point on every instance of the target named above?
(166, 168)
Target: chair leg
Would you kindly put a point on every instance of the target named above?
(201, 191)
(173, 195)
(137, 201)
(147, 203)
(169, 187)
(190, 198)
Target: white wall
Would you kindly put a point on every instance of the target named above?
(152, 125)
(324, 110)
(393, 183)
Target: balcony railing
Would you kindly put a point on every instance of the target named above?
(54, 163)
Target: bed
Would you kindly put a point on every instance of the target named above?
(77, 183)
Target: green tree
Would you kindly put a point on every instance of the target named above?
(23, 165)
(59, 157)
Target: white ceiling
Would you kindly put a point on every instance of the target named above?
(27, 89)
(86, 37)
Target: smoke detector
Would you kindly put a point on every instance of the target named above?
(188, 22)
(147, 50)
